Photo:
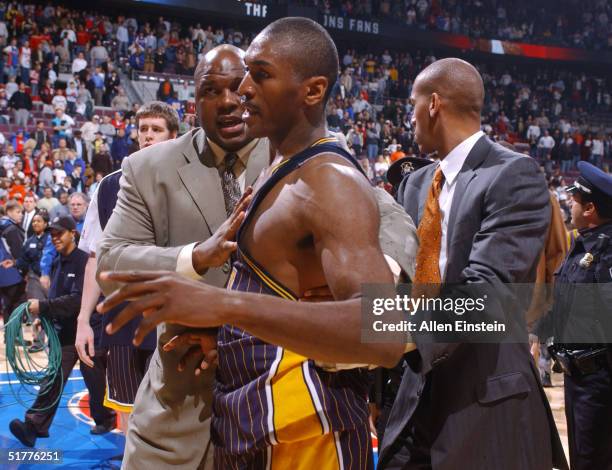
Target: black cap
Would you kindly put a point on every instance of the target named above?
(62, 223)
(593, 183)
(404, 166)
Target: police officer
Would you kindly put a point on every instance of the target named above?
(582, 315)
(400, 169)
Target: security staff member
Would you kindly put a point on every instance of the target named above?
(28, 263)
(582, 322)
(61, 308)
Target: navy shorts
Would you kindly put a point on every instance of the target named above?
(125, 370)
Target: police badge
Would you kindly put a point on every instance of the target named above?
(586, 260)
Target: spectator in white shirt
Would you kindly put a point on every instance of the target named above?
(59, 100)
(123, 39)
(25, 62)
(597, 151)
(11, 87)
(533, 134)
(79, 63)
(69, 34)
(184, 93)
(8, 161)
(381, 166)
(3, 33)
(545, 145)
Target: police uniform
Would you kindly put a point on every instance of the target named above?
(398, 172)
(582, 326)
(29, 265)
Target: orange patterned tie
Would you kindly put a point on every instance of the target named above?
(430, 235)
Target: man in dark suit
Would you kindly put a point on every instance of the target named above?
(79, 146)
(29, 211)
(483, 212)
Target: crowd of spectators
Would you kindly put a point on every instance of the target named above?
(568, 23)
(68, 120)
(550, 113)
(65, 119)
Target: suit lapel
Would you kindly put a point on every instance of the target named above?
(466, 175)
(201, 180)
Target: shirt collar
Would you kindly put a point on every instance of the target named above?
(452, 164)
(243, 153)
(589, 237)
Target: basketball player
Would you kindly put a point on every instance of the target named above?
(313, 222)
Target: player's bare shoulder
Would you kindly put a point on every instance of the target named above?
(328, 170)
(333, 182)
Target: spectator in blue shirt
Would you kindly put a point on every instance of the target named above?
(73, 161)
(120, 148)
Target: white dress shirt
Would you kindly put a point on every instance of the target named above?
(451, 166)
(92, 231)
(184, 262)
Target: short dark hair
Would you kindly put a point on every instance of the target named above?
(313, 52)
(43, 214)
(12, 205)
(602, 205)
(159, 109)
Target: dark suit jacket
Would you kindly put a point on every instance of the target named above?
(30, 231)
(482, 405)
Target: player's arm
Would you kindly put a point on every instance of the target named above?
(344, 226)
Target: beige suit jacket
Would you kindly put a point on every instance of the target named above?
(170, 197)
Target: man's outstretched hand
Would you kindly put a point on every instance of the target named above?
(214, 251)
(161, 297)
(203, 344)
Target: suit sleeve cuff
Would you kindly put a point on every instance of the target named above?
(395, 268)
(184, 262)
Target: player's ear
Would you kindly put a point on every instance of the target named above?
(434, 105)
(316, 88)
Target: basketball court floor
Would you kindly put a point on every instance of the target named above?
(81, 450)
